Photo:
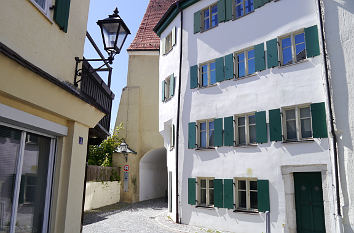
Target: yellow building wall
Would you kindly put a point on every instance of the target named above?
(139, 113)
(38, 39)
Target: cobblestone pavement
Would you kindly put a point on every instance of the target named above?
(147, 216)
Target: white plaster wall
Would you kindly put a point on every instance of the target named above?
(99, 194)
(339, 33)
(273, 88)
(153, 175)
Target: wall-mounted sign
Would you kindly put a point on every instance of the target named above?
(81, 140)
(126, 181)
(126, 168)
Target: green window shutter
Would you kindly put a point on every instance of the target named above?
(218, 132)
(191, 191)
(272, 53)
(172, 85)
(173, 136)
(163, 91)
(275, 128)
(228, 131)
(191, 135)
(197, 22)
(162, 46)
(319, 121)
(218, 193)
(194, 77)
(220, 69)
(221, 10)
(228, 10)
(263, 195)
(229, 66)
(61, 14)
(261, 127)
(259, 57)
(312, 42)
(258, 3)
(228, 193)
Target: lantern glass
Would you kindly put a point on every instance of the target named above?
(109, 31)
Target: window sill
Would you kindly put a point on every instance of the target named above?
(167, 100)
(299, 141)
(253, 212)
(205, 148)
(246, 76)
(293, 63)
(211, 85)
(205, 207)
(246, 146)
(166, 53)
(201, 31)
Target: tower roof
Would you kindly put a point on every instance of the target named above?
(145, 38)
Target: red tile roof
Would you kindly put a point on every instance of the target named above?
(145, 38)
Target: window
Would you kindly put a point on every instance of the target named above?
(168, 42)
(246, 194)
(168, 88)
(297, 123)
(245, 63)
(292, 48)
(207, 74)
(42, 5)
(172, 136)
(245, 129)
(206, 191)
(206, 133)
(242, 7)
(209, 17)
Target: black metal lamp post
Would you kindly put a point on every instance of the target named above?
(114, 33)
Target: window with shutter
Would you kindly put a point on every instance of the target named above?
(191, 135)
(246, 194)
(263, 195)
(218, 193)
(272, 53)
(61, 14)
(275, 125)
(172, 85)
(206, 133)
(191, 191)
(206, 191)
(228, 193)
(312, 42)
(245, 126)
(197, 24)
(261, 127)
(245, 63)
(260, 57)
(319, 121)
(218, 132)
(228, 131)
(229, 66)
(220, 69)
(209, 72)
(194, 77)
(210, 17)
(163, 91)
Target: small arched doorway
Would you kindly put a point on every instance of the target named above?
(153, 175)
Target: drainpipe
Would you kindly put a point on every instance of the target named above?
(331, 109)
(178, 111)
(267, 221)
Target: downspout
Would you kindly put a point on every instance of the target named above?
(178, 111)
(330, 99)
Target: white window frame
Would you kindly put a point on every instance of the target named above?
(248, 194)
(199, 191)
(298, 123)
(210, 17)
(168, 43)
(293, 47)
(245, 52)
(207, 121)
(247, 129)
(46, 9)
(234, 5)
(167, 83)
(208, 73)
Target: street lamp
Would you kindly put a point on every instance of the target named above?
(124, 149)
(114, 33)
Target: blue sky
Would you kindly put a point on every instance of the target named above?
(132, 12)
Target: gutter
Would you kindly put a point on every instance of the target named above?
(179, 109)
(330, 106)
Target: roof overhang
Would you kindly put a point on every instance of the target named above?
(171, 13)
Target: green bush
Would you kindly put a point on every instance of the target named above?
(101, 155)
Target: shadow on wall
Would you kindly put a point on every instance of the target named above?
(339, 72)
(153, 175)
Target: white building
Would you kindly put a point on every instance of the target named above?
(245, 117)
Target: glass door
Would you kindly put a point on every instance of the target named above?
(28, 182)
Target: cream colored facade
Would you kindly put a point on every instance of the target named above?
(138, 111)
(38, 40)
